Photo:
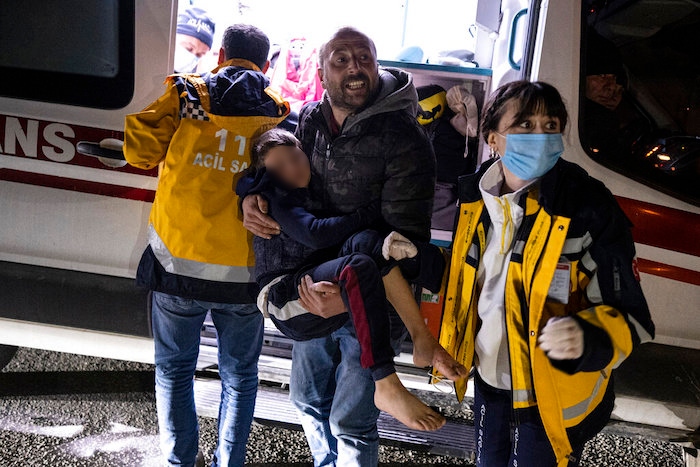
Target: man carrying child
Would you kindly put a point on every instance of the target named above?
(365, 145)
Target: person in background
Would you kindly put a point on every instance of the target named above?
(193, 39)
(543, 297)
(294, 75)
(199, 257)
(612, 123)
(365, 144)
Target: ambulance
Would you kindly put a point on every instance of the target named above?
(74, 215)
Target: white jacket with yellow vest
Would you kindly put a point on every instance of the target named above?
(200, 131)
(571, 223)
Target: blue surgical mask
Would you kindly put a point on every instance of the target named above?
(532, 155)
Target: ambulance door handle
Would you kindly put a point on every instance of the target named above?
(511, 46)
(108, 151)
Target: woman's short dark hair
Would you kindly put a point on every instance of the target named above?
(530, 98)
(246, 42)
(268, 140)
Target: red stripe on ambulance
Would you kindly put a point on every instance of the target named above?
(56, 142)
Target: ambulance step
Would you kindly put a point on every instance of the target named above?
(659, 385)
(273, 408)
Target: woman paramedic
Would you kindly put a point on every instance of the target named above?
(543, 298)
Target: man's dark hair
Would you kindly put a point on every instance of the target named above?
(246, 42)
(268, 140)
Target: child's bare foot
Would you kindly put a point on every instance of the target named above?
(393, 398)
(427, 351)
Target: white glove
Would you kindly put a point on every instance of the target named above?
(562, 339)
(398, 247)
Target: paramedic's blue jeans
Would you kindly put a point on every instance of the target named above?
(334, 397)
(177, 323)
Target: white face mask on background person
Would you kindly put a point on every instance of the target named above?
(185, 61)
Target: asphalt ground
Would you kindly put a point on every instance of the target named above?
(65, 410)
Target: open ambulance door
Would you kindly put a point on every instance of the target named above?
(652, 165)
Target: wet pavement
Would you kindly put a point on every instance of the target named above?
(64, 410)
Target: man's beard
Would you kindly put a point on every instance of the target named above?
(338, 98)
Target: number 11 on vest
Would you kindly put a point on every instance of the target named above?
(217, 161)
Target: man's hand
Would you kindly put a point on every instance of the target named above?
(562, 339)
(398, 247)
(255, 217)
(321, 298)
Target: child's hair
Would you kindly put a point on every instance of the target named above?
(268, 140)
(530, 98)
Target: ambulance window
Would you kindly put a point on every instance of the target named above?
(640, 102)
(78, 52)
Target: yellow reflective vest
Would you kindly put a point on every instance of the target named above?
(195, 228)
(573, 233)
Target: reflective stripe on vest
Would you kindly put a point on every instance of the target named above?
(582, 407)
(196, 269)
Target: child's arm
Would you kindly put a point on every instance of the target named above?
(421, 262)
(246, 184)
(296, 221)
(316, 232)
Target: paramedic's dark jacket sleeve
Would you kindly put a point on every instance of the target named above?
(613, 281)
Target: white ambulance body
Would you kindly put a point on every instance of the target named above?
(71, 221)
(73, 226)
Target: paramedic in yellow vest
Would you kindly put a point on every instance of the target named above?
(543, 296)
(199, 258)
